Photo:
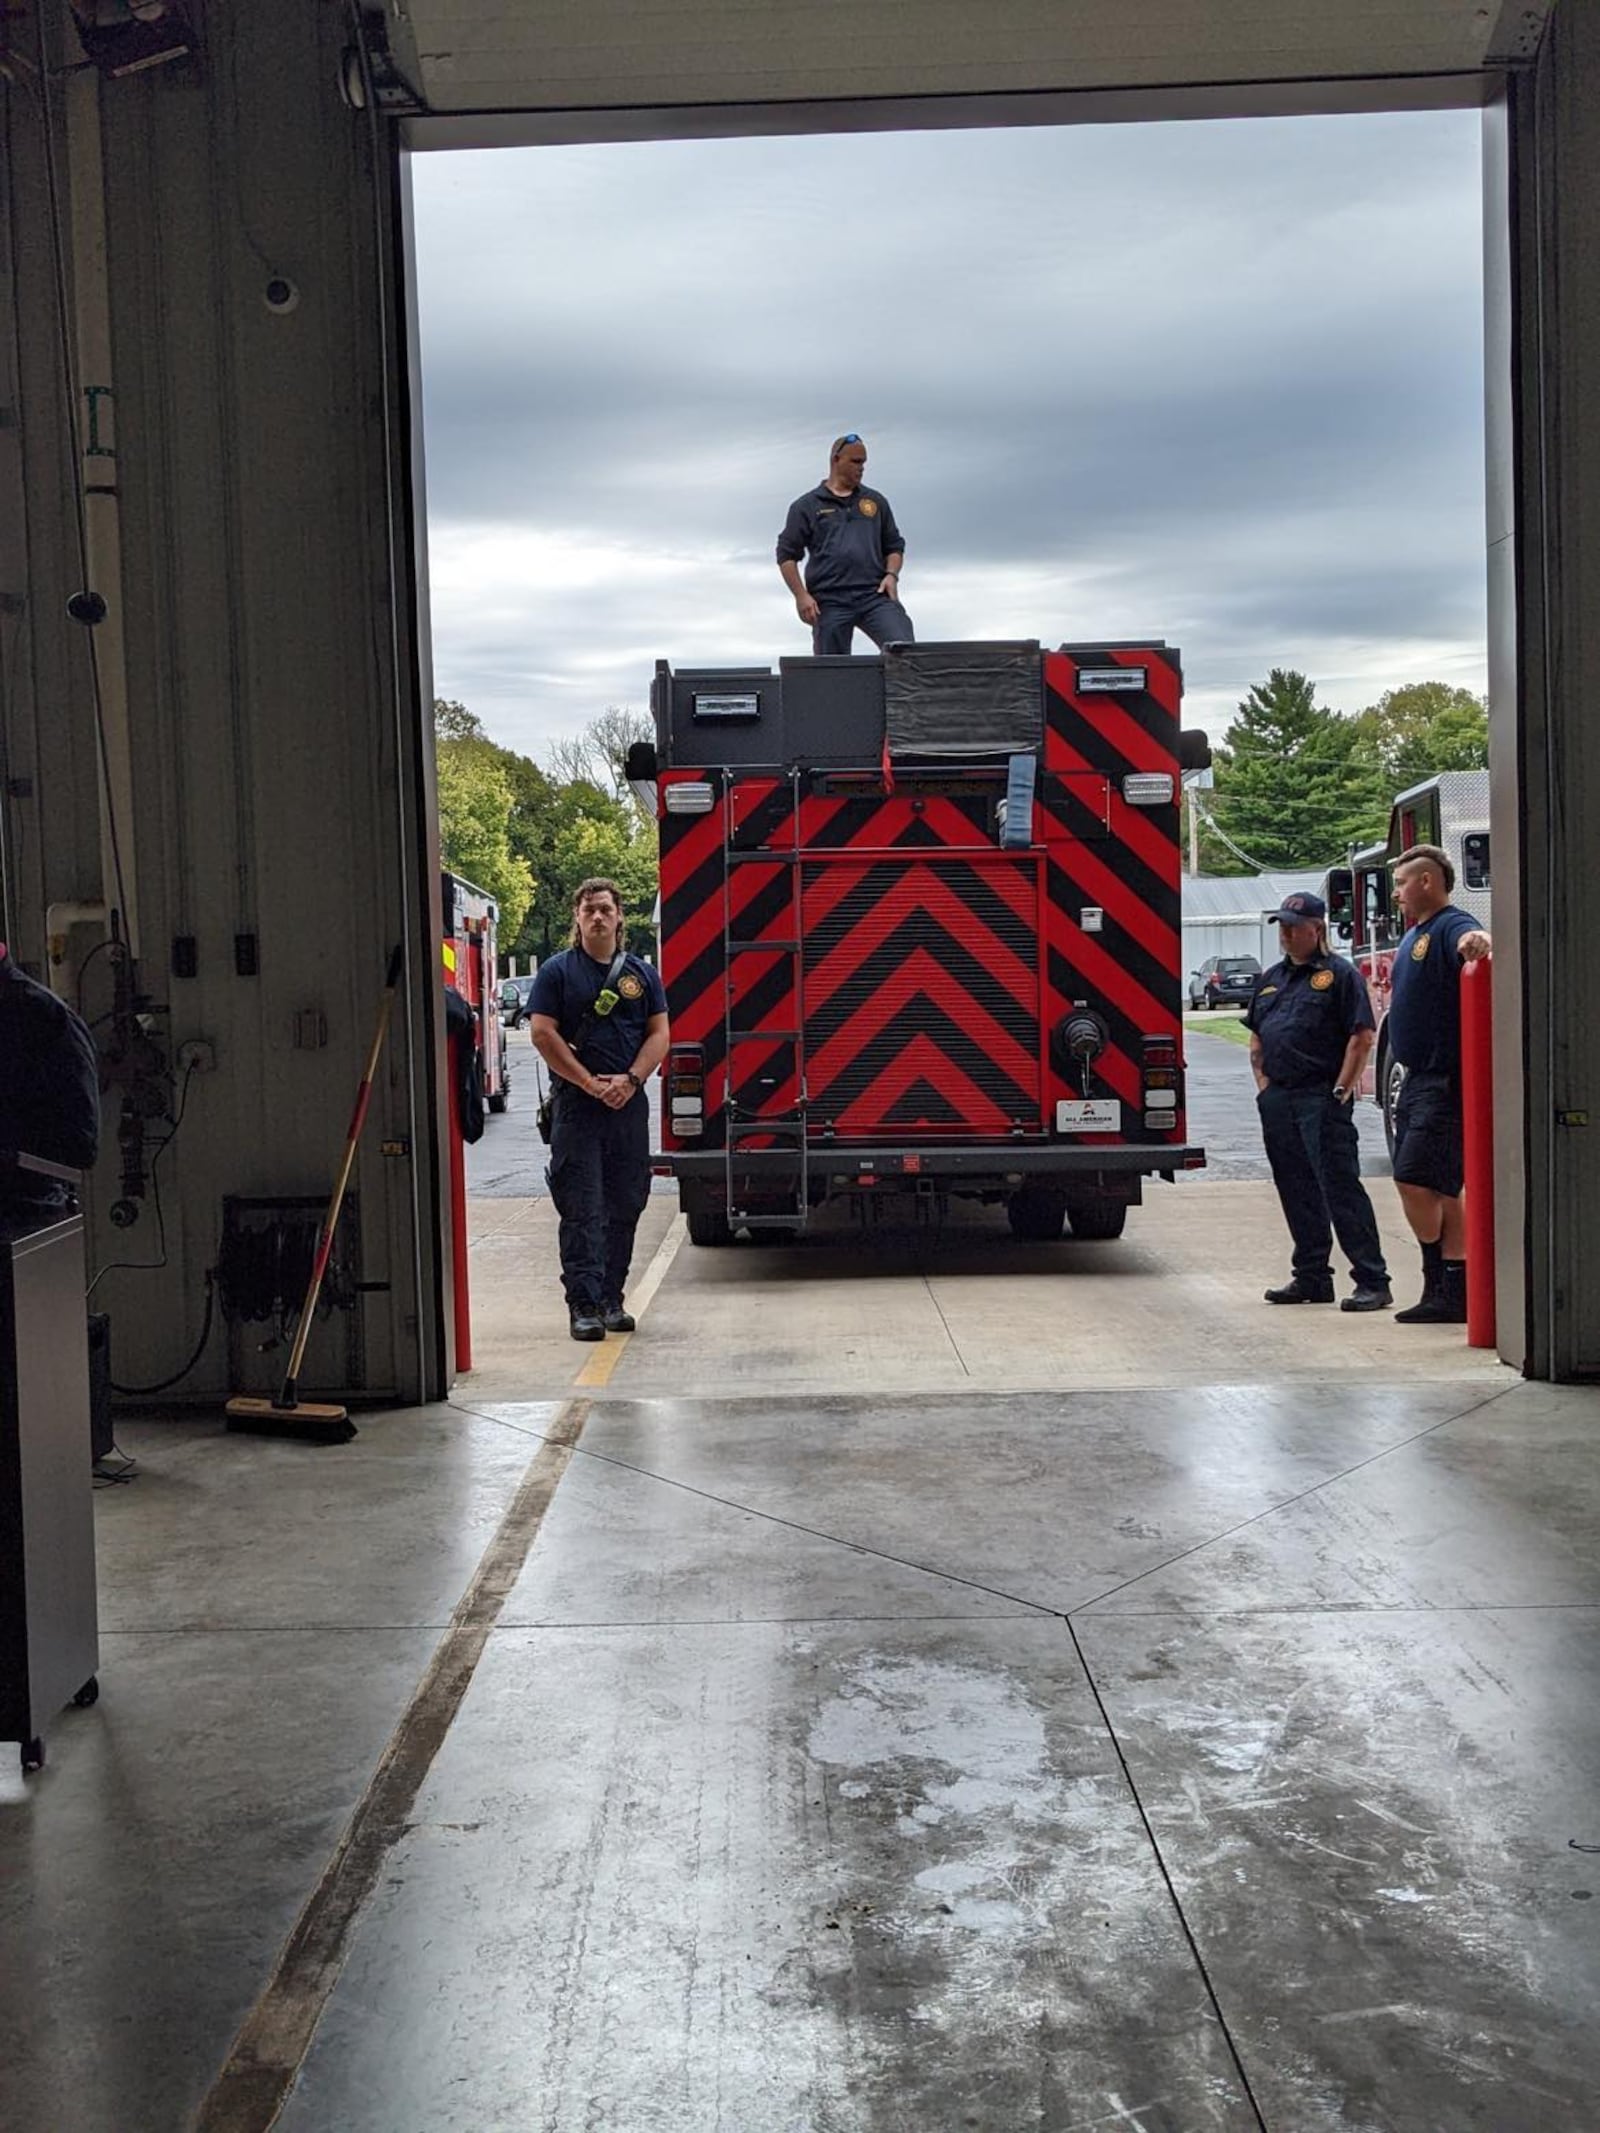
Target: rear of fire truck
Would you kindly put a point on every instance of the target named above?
(920, 933)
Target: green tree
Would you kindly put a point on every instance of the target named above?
(530, 835)
(598, 755)
(1425, 727)
(1297, 783)
(585, 832)
(476, 804)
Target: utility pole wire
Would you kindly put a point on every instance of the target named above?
(1222, 837)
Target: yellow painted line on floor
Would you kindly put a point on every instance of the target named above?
(597, 1370)
(264, 2061)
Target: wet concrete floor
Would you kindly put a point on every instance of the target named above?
(846, 1753)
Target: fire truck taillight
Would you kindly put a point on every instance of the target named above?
(686, 1090)
(1160, 1059)
(1147, 788)
(689, 796)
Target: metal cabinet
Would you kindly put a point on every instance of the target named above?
(49, 1630)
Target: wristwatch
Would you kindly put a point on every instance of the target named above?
(1342, 1095)
(633, 1077)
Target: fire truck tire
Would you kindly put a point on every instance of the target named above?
(1036, 1215)
(1391, 1080)
(708, 1225)
(1098, 1220)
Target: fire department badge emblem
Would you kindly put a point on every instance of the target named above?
(1419, 947)
(868, 508)
(630, 987)
(1321, 980)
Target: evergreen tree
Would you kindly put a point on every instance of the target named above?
(1300, 783)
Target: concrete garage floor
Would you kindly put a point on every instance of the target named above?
(920, 1684)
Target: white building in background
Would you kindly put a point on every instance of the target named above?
(1230, 914)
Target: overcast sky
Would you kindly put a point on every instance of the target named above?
(1218, 383)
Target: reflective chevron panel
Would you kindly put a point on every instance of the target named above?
(868, 941)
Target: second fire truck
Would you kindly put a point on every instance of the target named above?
(1450, 810)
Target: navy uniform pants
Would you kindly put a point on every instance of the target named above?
(885, 622)
(600, 1180)
(1315, 1155)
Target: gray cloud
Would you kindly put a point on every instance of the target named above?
(1220, 383)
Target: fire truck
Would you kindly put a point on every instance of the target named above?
(470, 916)
(920, 933)
(1450, 810)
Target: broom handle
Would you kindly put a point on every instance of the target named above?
(358, 1119)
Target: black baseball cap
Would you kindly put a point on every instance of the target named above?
(1297, 909)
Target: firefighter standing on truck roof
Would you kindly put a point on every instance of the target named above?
(1311, 1028)
(852, 580)
(1425, 1036)
(598, 1017)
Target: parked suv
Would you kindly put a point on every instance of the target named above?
(514, 996)
(1224, 981)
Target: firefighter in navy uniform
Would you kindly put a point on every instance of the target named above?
(852, 580)
(598, 1017)
(49, 1096)
(1311, 1028)
(1425, 1036)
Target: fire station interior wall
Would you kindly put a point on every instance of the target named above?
(1544, 585)
(271, 712)
(268, 602)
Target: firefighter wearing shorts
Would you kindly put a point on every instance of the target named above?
(1424, 1032)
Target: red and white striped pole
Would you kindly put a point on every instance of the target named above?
(1477, 1120)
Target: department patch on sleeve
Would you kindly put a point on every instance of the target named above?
(868, 508)
(1321, 980)
(630, 987)
(1419, 948)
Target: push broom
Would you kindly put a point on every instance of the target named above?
(286, 1415)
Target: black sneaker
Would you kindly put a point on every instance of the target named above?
(1299, 1291)
(616, 1320)
(588, 1326)
(1365, 1298)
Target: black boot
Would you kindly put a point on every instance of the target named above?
(1455, 1290)
(1302, 1289)
(1433, 1307)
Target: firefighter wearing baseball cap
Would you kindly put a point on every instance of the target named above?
(1311, 1028)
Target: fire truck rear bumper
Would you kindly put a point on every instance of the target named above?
(1051, 1162)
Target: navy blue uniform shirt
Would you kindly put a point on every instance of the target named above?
(1425, 993)
(1305, 1015)
(847, 538)
(49, 1090)
(566, 986)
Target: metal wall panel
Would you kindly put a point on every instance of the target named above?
(279, 758)
(1555, 359)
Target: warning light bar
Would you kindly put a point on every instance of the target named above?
(1111, 681)
(690, 796)
(1142, 788)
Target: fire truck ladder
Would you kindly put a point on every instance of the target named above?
(786, 1128)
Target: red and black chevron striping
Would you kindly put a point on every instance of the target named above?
(923, 965)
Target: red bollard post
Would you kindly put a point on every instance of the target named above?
(458, 1216)
(1477, 1118)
